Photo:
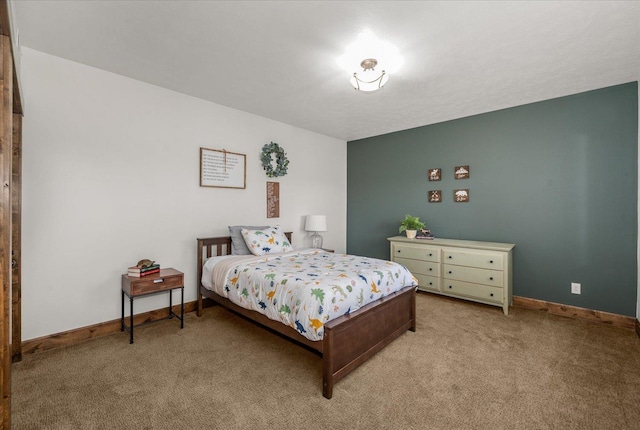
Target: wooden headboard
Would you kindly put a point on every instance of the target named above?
(214, 247)
(222, 246)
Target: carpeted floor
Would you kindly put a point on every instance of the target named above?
(467, 366)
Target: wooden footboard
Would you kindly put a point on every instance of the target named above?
(348, 341)
(352, 339)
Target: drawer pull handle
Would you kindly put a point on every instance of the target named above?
(491, 294)
(450, 256)
(430, 254)
(430, 269)
(398, 251)
(449, 272)
(491, 278)
(430, 283)
(491, 261)
(158, 281)
(450, 286)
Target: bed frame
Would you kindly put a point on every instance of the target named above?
(348, 341)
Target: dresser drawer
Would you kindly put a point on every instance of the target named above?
(152, 284)
(484, 260)
(474, 275)
(427, 283)
(474, 291)
(416, 252)
(420, 267)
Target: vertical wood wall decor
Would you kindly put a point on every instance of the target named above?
(273, 199)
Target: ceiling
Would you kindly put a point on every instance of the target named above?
(277, 59)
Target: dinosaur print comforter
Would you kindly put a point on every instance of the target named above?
(306, 289)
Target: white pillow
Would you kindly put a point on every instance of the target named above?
(238, 247)
(266, 241)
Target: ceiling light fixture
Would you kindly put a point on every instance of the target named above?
(369, 79)
(369, 61)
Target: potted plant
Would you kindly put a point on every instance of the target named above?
(411, 224)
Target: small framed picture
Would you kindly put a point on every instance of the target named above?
(435, 196)
(461, 172)
(461, 196)
(435, 174)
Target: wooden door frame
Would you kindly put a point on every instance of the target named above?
(16, 239)
(10, 214)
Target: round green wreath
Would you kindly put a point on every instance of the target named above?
(281, 160)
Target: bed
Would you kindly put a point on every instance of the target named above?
(347, 341)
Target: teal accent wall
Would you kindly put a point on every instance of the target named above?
(558, 178)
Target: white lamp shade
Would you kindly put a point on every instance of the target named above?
(316, 223)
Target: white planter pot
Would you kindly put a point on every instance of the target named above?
(411, 234)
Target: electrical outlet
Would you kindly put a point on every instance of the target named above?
(575, 288)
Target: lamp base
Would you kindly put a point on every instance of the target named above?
(316, 240)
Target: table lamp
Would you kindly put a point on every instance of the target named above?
(316, 223)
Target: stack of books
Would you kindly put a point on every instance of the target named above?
(139, 272)
(424, 234)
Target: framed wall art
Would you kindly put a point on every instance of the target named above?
(224, 169)
(461, 172)
(435, 196)
(461, 196)
(435, 174)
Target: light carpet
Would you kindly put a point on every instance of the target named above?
(468, 366)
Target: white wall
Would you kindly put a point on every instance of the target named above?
(111, 175)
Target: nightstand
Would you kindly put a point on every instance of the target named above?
(165, 281)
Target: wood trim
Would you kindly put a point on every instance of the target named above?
(575, 312)
(5, 30)
(82, 334)
(637, 327)
(6, 123)
(16, 240)
(11, 103)
(17, 99)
